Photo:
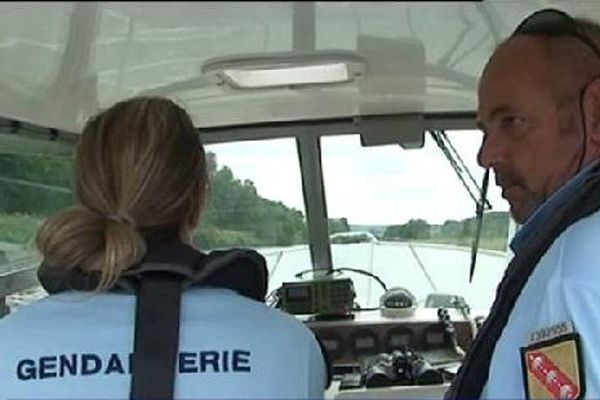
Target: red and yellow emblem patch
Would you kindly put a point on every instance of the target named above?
(552, 369)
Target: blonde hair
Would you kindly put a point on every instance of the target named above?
(139, 167)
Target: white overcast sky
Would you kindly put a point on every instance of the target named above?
(376, 185)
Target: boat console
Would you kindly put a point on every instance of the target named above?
(397, 350)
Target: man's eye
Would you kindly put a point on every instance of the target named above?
(510, 121)
(507, 120)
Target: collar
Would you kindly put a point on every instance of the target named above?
(241, 270)
(556, 200)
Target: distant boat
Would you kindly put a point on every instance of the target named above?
(352, 237)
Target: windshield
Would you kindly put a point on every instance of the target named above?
(256, 201)
(400, 214)
(35, 182)
(420, 216)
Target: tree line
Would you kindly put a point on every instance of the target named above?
(494, 232)
(35, 187)
(41, 185)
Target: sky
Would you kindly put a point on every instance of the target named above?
(381, 185)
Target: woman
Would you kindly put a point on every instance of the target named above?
(116, 323)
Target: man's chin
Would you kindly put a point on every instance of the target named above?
(520, 214)
(519, 219)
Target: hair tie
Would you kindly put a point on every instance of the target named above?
(122, 219)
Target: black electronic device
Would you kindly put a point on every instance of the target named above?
(326, 296)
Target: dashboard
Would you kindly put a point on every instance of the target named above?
(349, 341)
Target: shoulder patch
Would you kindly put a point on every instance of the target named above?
(554, 368)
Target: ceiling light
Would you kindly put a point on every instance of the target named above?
(284, 69)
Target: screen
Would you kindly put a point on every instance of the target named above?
(298, 292)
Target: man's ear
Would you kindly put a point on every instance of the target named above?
(591, 108)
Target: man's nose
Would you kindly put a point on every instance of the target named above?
(491, 151)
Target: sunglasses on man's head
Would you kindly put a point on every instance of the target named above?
(554, 23)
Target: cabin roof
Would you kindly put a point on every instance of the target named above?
(61, 62)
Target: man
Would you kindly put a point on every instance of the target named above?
(539, 110)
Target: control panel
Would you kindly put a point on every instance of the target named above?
(318, 297)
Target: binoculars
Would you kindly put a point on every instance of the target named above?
(401, 367)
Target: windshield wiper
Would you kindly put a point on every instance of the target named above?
(479, 216)
(477, 193)
(459, 166)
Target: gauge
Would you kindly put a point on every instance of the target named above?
(434, 338)
(398, 338)
(365, 341)
(333, 345)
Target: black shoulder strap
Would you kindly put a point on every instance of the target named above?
(156, 341)
(158, 308)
